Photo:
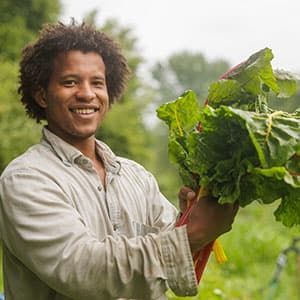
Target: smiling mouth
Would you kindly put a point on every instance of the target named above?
(84, 111)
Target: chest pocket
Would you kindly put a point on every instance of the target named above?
(143, 229)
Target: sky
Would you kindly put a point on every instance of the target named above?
(231, 29)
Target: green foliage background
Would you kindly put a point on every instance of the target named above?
(256, 239)
(252, 247)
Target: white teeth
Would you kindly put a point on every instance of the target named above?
(84, 111)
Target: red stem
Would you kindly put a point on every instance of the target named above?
(201, 257)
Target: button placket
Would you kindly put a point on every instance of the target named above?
(112, 204)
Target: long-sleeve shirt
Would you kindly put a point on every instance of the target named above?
(65, 236)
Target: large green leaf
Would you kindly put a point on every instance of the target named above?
(275, 135)
(181, 115)
(256, 72)
(248, 85)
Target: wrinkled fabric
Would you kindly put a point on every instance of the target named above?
(66, 236)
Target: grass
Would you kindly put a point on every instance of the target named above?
(252, 247)
(1, 275)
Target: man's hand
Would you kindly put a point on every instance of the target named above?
(208, 219)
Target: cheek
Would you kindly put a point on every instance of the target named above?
(57, 110)
(105, 103)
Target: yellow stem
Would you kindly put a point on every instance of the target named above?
(219, 252)
(203, 192)
(178, 124)
(270, 123)
(217, 246)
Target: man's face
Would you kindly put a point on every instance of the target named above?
(76, 100)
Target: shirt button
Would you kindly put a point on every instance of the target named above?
(67, 164)
(99, 188)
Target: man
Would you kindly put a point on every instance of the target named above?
(78, 222)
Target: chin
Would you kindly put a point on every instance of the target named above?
(86, 135)
(82, 134)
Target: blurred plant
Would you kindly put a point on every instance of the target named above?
(21, 20)
(19, 24)
(17, 131)
(186, 70)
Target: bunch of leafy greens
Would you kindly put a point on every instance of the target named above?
(236, 146)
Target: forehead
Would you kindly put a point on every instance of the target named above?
(78, 61)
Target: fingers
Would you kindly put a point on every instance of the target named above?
(232, 208)
(185, 195)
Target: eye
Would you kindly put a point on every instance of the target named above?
(69, 83)
(98, 83)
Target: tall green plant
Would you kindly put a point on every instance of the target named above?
(21, 20)
(17, 131)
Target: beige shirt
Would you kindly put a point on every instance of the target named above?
(65, 237)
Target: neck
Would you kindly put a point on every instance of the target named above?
(87, 147)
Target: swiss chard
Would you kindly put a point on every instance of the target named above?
(236, 147)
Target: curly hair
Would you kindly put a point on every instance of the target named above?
(37, 60)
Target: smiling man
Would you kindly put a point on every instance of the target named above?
(76, 101)
(76, 221)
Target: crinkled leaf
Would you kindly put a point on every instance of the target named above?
(256, 72)
(224, 92)
(182, 117)
(276, 136)
(289, 208)
(177, 153)
(182, 114)
(248, 85)
(287, 83)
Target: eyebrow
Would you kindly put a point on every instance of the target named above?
(99, 77)
(74, 75)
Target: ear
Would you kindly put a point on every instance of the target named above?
(40, 98)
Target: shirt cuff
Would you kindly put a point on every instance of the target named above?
(178, 260)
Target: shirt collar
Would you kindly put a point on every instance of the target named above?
(71, 155)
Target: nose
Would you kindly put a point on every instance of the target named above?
(85, 92)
